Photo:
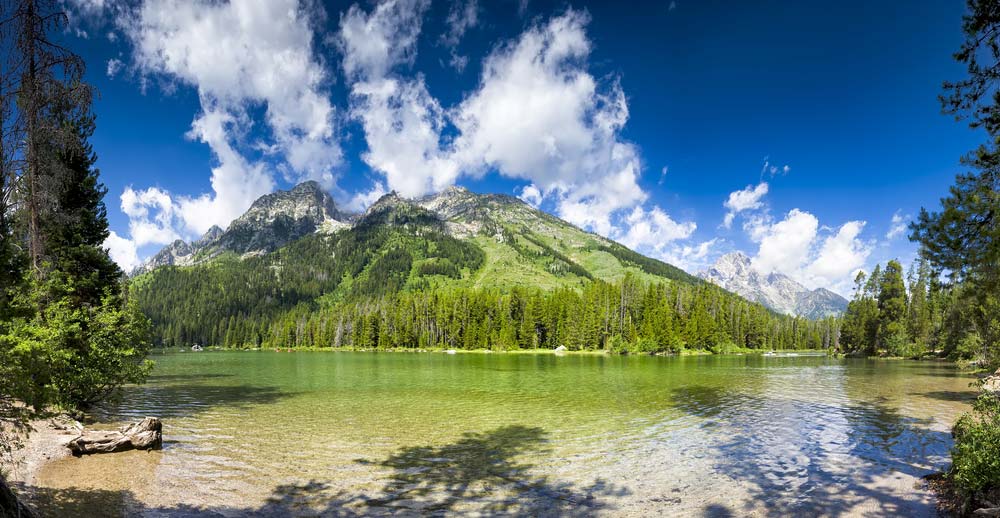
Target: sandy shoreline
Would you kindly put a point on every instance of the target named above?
(46, 443)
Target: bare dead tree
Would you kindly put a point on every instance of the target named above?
(38, 74)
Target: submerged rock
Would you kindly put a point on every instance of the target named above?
(144, 435)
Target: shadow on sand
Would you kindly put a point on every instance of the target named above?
(482, 473)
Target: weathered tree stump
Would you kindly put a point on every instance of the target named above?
(144, 435)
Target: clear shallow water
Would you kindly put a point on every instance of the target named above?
(277, 434)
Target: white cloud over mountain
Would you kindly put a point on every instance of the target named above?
(797, 245)
(537, 115)
(239, 56)
(746, 199)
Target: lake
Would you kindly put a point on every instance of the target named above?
(350, 433)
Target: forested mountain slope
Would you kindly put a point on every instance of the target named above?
(471, 263)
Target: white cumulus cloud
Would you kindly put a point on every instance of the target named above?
(122, 251)
(839, 257)
(653, 229)
(743, 200)
(240, 56)
(373, 43)
(540, 116)
(531, 195)
(785, 245)
(151, 215)
(817, 257)
(536, 115)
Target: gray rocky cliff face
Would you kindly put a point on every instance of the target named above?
(735, 272)
(272, 221)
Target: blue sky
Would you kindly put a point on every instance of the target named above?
(642, 123)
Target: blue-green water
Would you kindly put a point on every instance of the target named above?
(336, 434)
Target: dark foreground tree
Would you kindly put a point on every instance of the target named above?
(963, 237)
(70, 336)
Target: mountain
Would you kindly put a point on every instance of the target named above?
(454, 269)
(777, 291)
(180, 253)
(520, 244)
(272, 221)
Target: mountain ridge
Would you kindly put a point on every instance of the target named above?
(522, 243)
(735, 272)
(271, 221)
(470, 260)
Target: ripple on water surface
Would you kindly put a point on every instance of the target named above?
(365, 433)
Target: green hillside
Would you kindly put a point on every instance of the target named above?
(489, 248)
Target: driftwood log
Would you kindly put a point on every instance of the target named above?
(144, 435)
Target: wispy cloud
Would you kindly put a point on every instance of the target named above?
(897, 226)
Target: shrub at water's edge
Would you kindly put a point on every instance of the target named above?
(976, 455)
(973, 482)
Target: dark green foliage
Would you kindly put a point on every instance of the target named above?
(440, 267)
(559, 262)
(976, 455)
(75, 232)
(77, 354)
(963, 238)
(888, 317)
(891, 334)
(69, 334)
(629, 317)
(459, 253)
(387, 274)
(860, 321)
(196, 304)
(74, 337)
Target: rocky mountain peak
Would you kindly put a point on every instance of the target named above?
(211, 235)
(449, 202)
(271, 221)
(735, 272)
(388, 202)
(305, 200)
(733, 264)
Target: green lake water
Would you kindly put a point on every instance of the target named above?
(345, 434)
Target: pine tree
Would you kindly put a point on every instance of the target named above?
(74, 234)
(963, 237)
(892, 310)
(919, 309)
